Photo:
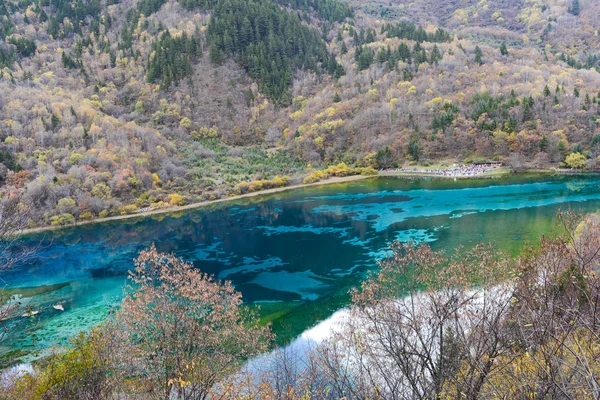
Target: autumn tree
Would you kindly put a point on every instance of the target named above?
(553, 317)
(184, 331)
(418, 321)
(576, 160)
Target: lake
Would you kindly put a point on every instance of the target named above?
(294, 253)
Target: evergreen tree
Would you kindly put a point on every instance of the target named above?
(337, 98)
(543, 143)
(546, 91)
(527, 113)
(435, 55)
(344, 48)
(503, 49)
(478, 55)
(172, 58)
(574, 8)
(413, 148)
(270, 42)
(55, 121)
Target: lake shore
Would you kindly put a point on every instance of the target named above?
(423, 174)
(330, 181)
(333, 180)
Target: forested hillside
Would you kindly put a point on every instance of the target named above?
(108, 106)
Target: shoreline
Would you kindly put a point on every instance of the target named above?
(330, 181)
(422, 174)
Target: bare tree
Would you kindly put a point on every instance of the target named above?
(423, 327)
(556, 315)
(14, 218)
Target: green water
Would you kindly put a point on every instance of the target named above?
(295, 253)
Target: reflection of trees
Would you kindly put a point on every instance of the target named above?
(227, 232)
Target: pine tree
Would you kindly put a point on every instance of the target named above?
(478, 55)
(527, 114)
(546, 91)
(503, 49)
(435, 55)
(574, 9)
(337, 98)
(55, 121)
(543, 143)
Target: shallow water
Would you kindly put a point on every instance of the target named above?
(295, 253)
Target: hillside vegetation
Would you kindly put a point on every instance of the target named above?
(108, 106)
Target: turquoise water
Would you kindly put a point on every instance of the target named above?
(295, 253)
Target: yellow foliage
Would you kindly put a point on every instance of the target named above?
(257, 185)
(339, 170)
(462, 16)
(185, 123)
(576, 160)
(205, 132)
(318, 141)
(175, 199)
(332, 125)
(436, 100)
(372, 95)
(330, 112)
(294, 116)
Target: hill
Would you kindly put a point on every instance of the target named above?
(111, 106)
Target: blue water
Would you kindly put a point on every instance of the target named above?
(296, 253)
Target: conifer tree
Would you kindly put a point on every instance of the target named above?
(478, 55)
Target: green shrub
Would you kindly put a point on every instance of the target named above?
(62, 219)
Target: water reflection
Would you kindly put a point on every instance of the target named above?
(302, 249)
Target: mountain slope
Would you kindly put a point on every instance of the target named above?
(111, 106)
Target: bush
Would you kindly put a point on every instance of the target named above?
(62, 219)
(129, 209)
(85, 371)
(86, 216)
(257, 185)
(339, 170)
(175, 199)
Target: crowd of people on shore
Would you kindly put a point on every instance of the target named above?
(456, 171)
